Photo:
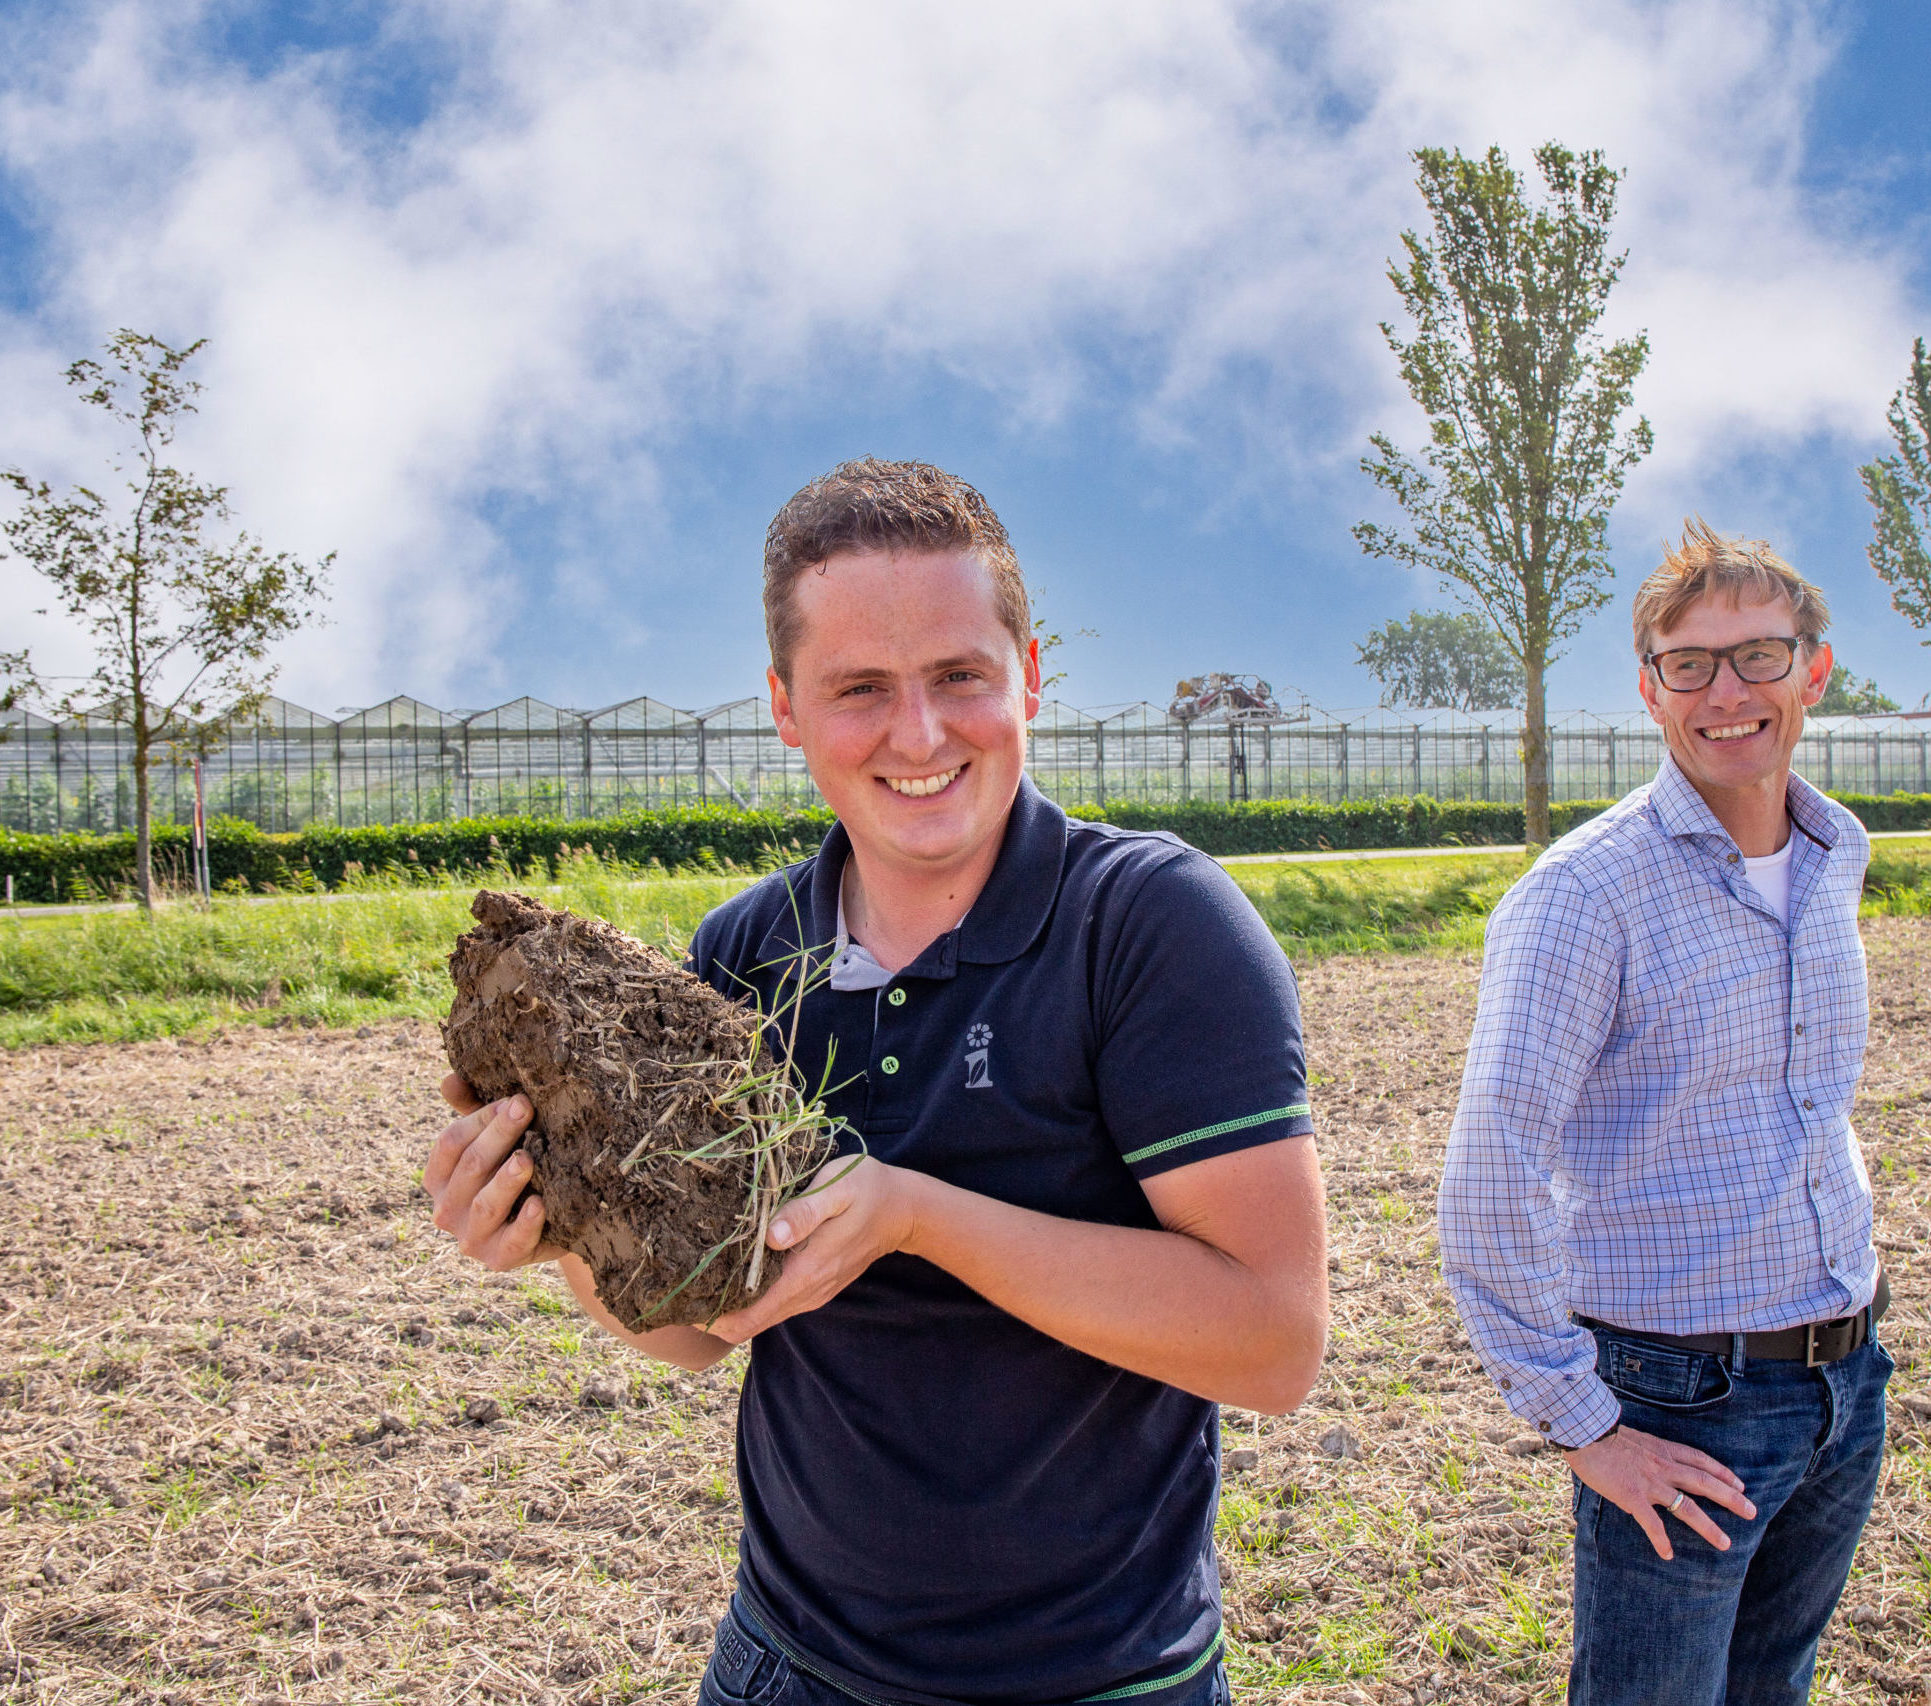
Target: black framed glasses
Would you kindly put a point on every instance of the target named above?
(1690, 669)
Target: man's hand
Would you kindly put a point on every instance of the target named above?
(1639, 1473)
(476, 1172)
(854, 1210)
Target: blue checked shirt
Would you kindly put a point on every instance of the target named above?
(1654, 1126)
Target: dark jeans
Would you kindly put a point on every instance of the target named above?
(747, 1668)
(1735, 1628)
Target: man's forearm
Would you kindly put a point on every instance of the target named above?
(687, 1347)
(1161, 1303)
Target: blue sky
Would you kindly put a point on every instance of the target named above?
(535, 313)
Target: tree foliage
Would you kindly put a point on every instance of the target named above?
(1526, 453)
(181, 618)
(1846, 696)
(1450, 660)
(1899, 488)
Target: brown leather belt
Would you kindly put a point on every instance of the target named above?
(1813, 1344)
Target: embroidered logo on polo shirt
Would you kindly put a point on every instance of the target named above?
(978, 1046)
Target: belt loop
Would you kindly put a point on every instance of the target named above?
(1739, 1359)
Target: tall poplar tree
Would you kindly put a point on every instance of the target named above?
(181, 617)
(1526, 452)
(1899, 488)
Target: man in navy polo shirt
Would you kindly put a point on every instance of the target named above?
(978, 1440)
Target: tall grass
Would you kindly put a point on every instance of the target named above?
(1381, 905)
(378, 950)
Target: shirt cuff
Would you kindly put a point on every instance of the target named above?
(1566, 1412)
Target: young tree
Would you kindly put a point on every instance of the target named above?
(180, 620)
(1525, 455)
(1899, 488)
(1449, 659)
(1846, 696)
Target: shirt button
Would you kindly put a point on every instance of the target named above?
(888, 1065)
(1808, 1103)
(1798, 1029)
(1544, 1426)
(1732, 858)
(1508, 1385)
(897, 999)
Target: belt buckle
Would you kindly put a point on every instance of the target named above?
(1810, 1343)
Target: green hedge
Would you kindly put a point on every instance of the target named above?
(1308, 826)
(83, 867)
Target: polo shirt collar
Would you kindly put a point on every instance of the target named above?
(1682, 811)
(1011, 909)
(1018, 897)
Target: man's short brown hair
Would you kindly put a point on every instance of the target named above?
(871, 505)
(1747, 570)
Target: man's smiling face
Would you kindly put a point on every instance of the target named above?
(910, 699)
(1734, 736)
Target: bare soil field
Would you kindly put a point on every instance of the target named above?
(264, 1436)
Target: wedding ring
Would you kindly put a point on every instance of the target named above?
(1671, 1506)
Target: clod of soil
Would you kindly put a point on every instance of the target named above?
(664, 1137)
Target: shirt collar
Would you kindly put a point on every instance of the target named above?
(1683, 811)
(1011, 909)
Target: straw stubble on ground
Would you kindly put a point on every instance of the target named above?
(265, 1436)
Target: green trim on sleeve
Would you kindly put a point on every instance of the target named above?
(1292, 1111)
(1180, 1676)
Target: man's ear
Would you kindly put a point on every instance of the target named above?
(1817, 674)
(1652, 694)
(781, 710)
(1033, 678)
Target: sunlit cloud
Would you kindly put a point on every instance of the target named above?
(615, 221)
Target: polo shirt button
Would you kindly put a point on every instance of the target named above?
(897, 999)
(888, 1065)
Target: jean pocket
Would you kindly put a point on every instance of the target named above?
(744, 1670)
(1661, 1375)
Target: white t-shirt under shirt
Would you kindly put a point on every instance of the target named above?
(1770, 877)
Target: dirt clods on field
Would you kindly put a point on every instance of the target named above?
(654, 1148)
(266, 1436)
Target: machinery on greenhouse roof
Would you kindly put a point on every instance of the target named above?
(1222, 698)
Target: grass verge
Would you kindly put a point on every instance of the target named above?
(378, 950)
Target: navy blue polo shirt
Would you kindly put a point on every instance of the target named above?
(942, 1504)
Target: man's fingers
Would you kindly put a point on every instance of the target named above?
(493, 1202)
(1691, 1458)
(451, 1144)
(1652, 1525)
(1693, 1515)
(457, 1093)
(501, 1132)
(795, 1222)
(516, 1243)
(1719, 1488)
(827, 1195)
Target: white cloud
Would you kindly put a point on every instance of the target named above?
(621, 218)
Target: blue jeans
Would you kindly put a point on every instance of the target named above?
(1735, 1628)
(748, 1668)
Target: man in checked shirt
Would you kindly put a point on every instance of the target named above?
(1654, 1217)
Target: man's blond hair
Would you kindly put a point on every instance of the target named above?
(1747, 571)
